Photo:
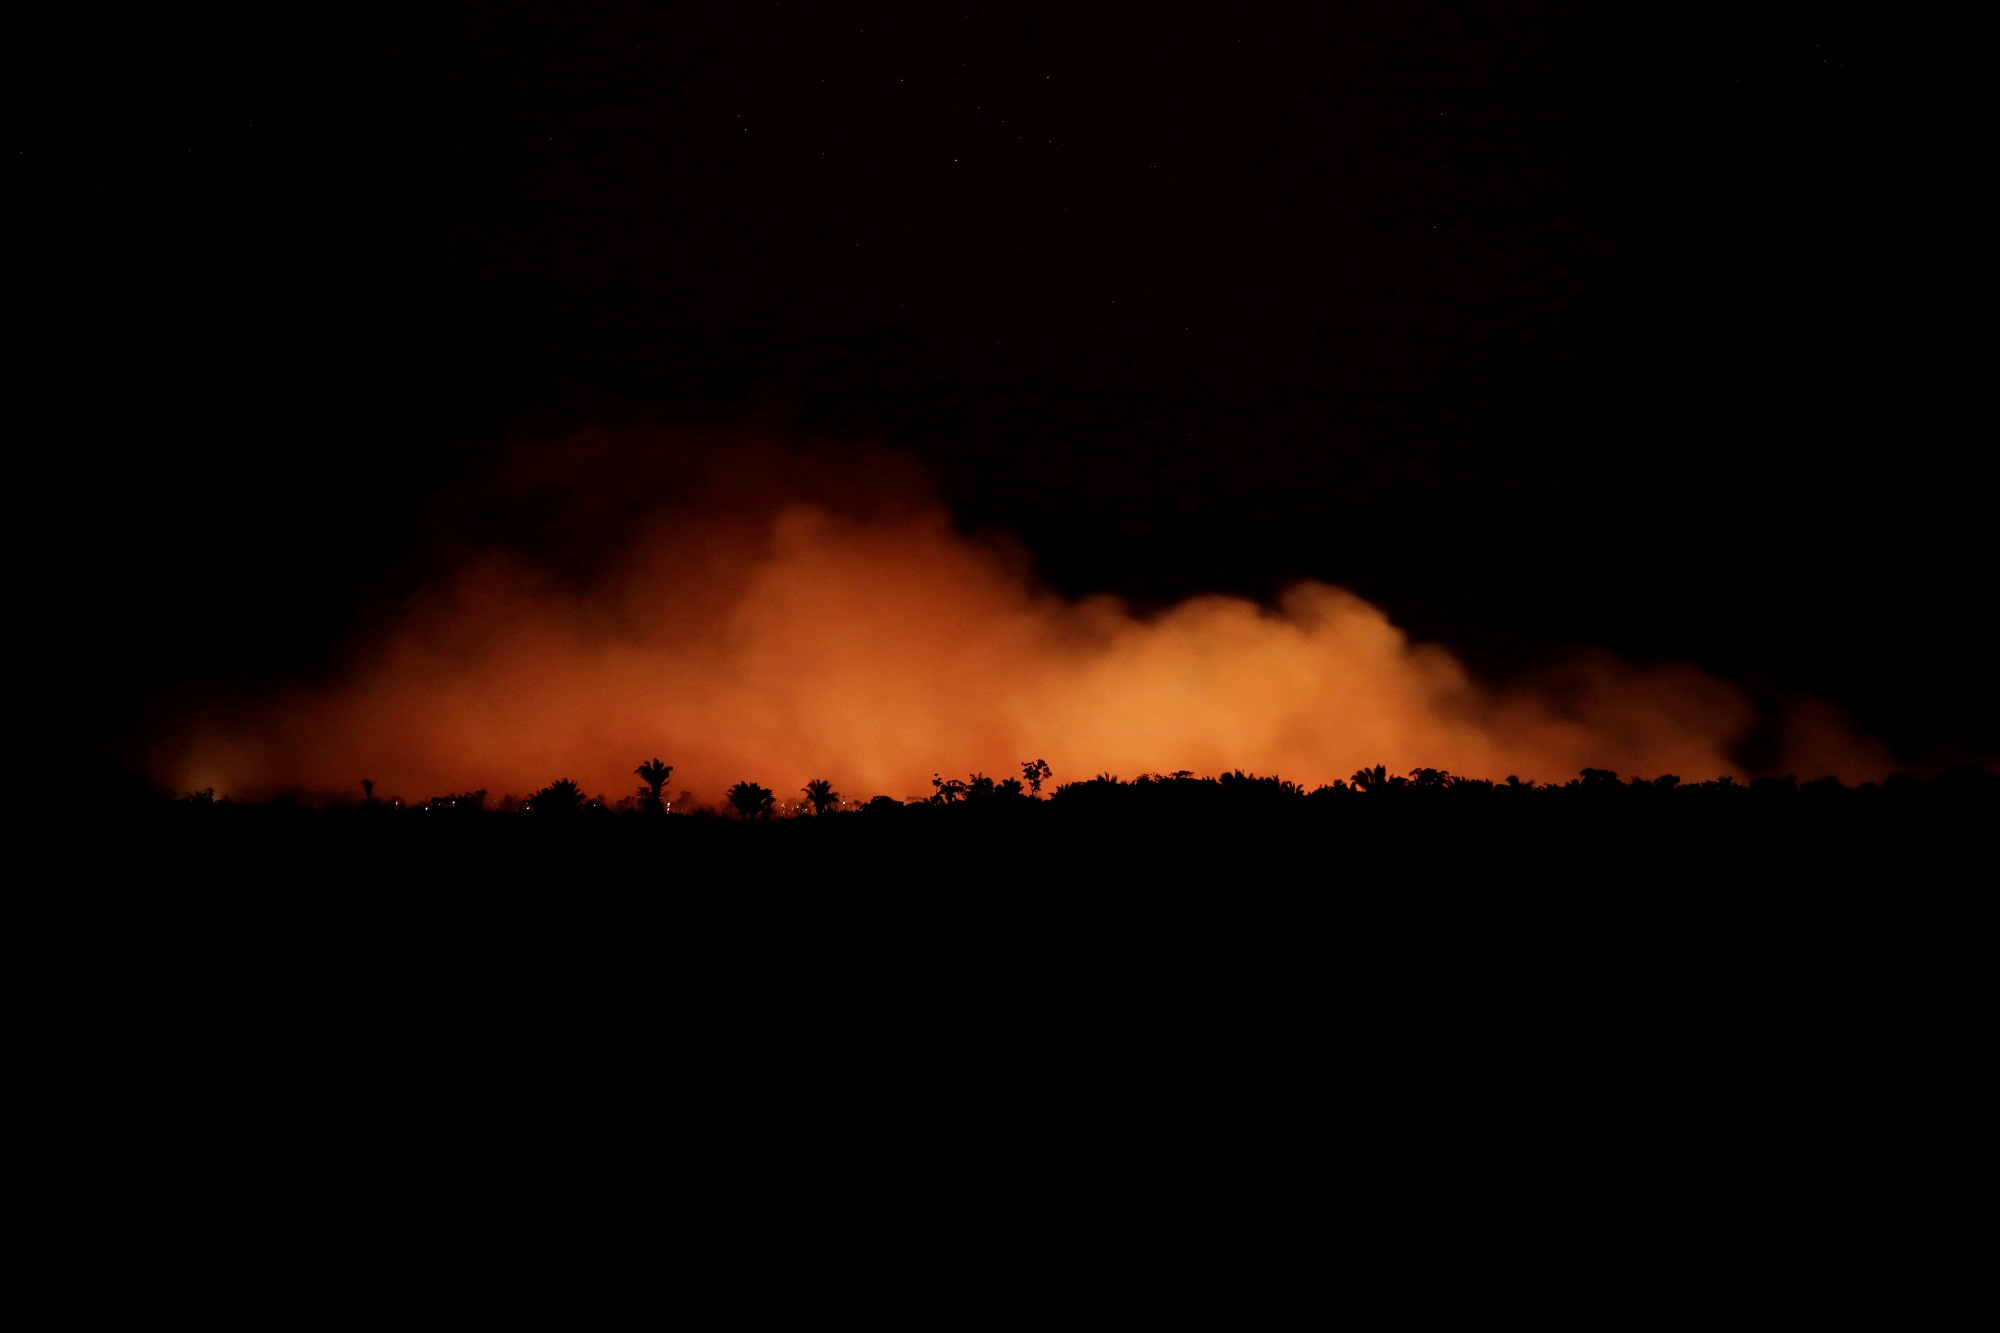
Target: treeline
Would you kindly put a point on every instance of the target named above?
(1182, 793)
(999, 845)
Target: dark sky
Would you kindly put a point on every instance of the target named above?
(1536, 325)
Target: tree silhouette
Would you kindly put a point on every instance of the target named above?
(1034, 772)
(751, 801)
(820, 793)
(655, 775)
(561, 797)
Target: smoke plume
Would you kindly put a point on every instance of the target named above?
(774, 614)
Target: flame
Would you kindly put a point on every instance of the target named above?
(774, 636)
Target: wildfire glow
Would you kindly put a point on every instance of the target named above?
(777, 636)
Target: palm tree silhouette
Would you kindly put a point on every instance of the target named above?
(655, 775)
(820, 793)
(751, 801)
(561, 797)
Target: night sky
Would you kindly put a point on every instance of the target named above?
(1537, 326)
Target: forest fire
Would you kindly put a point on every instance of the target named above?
(766, 632)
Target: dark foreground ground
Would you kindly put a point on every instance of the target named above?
(1579, 1050)
(1583, 912)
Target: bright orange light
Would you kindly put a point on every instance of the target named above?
(788, 641)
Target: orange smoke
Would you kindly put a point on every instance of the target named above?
(775, 638)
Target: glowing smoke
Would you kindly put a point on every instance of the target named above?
(799, 615)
